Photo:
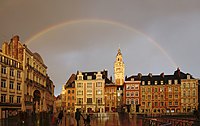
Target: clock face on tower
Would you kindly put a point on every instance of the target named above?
(118, 69)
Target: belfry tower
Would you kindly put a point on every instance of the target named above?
(119, 69)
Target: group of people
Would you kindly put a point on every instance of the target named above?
(78, 116)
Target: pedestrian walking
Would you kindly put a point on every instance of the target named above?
(60, 116)
(77, 116)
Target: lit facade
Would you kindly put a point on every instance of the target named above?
(110, 96)
(132, 92)
(90, 91)
(70, 93)
(23, 80)
(119, 69)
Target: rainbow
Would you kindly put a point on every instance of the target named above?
(126, 27)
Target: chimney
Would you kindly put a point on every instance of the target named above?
(111, 78)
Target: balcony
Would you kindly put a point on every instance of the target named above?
(19, 92)
(4, 75)
(4, 89)
(12, 90)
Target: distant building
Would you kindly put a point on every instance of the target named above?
(167, 93)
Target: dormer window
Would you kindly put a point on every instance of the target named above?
(89, 77)
(149, 82)
(132, 79)
(156, 82)
(161, 82)
(188, 76)
(143, 82)
(175, 81)
(170, 81)
(80, 77)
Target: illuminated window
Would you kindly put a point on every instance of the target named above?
(18, 99)
(99, 84)
(80, 85)
(79, 92)
(99, 92)
(89, 77)
(18, 86)
(89, 85)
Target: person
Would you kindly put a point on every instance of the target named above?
(88, 120)
(71, 119)
(60, 115)
(77, 116)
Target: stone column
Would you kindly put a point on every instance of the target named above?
(36, 107)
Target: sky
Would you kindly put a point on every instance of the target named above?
(154, 36)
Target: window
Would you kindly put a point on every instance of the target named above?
(162, 104)
(149, 97)
(132, 87)
(89, 100)
(18, 86)
(127, 101)
(156, 82)
(12, 72)
(169, 89)
(136, 87)
(80, 77)
(132, 101)
(79, 85)
(143, 82)
(3, 98)
(127, 87)
(161, 89)
(99, 100)
(175, 81)
(89, 77)
(99, 84)
(136, 94)
(11, 97)
(72, 91)
(11, 85)
(72, 97)
(170, 103)
(176, 88)
(149, 89)
(156, 97)
(136, 101)
(3, 83)
(99, 92)
(170, 81)
(89, 85)
(143, 97)
(3, 70)
(193, 93)
(162, 97)
(79, 92)
(161, 82)
(127, 94)
(79, 100)
(156, 104)
(18, 74)
(68, 91)
(68, 104)
(89, 92)
(156, 89)
(176, 102)
(72, 104)
(68, 97)
(132, 94)
(149, 82)
(194, 85)
(170, 95)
